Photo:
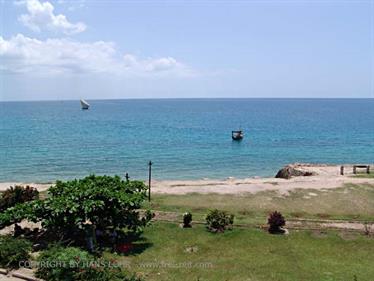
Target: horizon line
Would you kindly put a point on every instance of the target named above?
(196, 98)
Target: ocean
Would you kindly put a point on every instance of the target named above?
(185, 138)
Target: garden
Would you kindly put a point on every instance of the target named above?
(103, 228)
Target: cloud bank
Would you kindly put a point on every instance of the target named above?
(21, 54)
(26, 55)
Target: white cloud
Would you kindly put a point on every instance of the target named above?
(161, 64)
(151, 64)
(41, 16)
(21, 54)
(72, 5)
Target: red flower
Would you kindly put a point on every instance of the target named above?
(125, 248)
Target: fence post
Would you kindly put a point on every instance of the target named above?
(342, 170)
(149, 180)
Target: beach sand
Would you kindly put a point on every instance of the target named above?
(326, 177)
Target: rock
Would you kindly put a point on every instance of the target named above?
(39, 246)
(285, 231)
(3, 271)
(192, 249)
(290, 171)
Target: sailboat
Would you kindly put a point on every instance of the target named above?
(84, 104)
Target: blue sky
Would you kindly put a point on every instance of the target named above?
(148, 49)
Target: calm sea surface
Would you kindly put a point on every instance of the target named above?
(186, 139)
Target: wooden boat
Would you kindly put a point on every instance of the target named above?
(237, 135)
(84, 104)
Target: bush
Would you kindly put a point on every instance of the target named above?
(187, 219)
(17, 194)
(73, 264)
(105, 272)
(58, 263)
(276, 221)
(13, 251)
(219, 221)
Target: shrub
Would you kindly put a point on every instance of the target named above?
(276, 221)
(13, 251)
(219, 221)
(103, 201)
(17, 194)
(187, 219)
(58, 263)
(73, 264)
(104, 272)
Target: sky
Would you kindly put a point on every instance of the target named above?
(109, 49)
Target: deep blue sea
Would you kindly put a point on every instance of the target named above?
(185, 138)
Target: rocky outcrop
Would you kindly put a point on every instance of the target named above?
(290, 171)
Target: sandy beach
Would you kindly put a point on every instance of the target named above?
(325, 177)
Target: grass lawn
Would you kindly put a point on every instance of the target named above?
(365, 175)
(168, 252)
(349, 202)
(171, 253)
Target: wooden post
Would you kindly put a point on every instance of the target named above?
(354, 169)
(368, 169)
(149, 180)
(342, 170)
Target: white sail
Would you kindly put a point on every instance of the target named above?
(84, 104)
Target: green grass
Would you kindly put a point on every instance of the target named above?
(169, 252)
(349, 202)
(365, 175)
(252, 254)
(249, 254)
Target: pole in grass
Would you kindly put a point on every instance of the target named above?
(149, 180)
(127, 177)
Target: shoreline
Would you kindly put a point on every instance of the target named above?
(325, 177)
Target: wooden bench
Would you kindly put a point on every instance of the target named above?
(367, 167)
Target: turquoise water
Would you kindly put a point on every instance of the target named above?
(186, 139)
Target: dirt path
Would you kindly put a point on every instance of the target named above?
(302, 224)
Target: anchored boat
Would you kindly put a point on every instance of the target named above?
(237, 135)
(84, 104)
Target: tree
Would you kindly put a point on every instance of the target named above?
(102, 201)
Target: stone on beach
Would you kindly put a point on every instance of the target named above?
(290, 171)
